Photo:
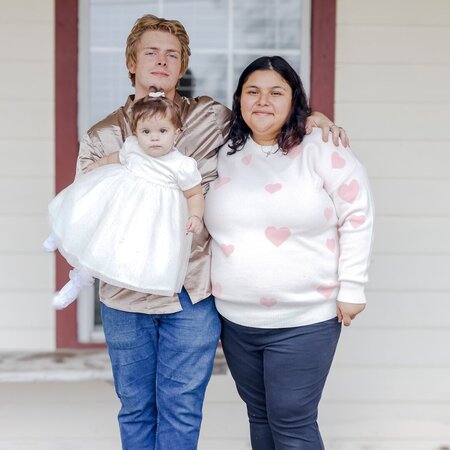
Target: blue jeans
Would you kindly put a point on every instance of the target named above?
(280, 374)
(161, 365)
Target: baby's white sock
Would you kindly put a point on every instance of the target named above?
(79, 278)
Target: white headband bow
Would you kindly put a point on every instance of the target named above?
(156, 94)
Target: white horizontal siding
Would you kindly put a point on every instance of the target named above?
(33, 43)
(24, 11)
(393, 44)
(30, 119)
(36, 306)
(424, 273)
(396, 121)
(26, 174)
(33, 339)
(23, 233)
(16, 75)
(26, 272)
(392, 348)
(387, 12)
(411, 235)
(415, 83)
(388, 386)
(404, 311)
(26, 196)
(412, 197)
(403, 158)
(27, 157)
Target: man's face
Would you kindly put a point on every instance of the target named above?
(158, 63)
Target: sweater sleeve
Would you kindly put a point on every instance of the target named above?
(347, 184)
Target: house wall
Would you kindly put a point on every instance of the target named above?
(388, 388)
(26, 174)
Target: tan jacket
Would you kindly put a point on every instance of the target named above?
(205, 126)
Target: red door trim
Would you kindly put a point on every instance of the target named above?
(66, 144)
(323, 56)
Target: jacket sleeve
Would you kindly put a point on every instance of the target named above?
(91, 149)
(208, 164)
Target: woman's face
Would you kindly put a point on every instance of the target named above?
(266, 102)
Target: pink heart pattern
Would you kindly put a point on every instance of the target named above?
(216, 288)
(268, 302)
(227, 249)
(349, 192)
(246, 160)
(272, 188)
(221, 181)
(331, 245)
(337, 162)
(277, 235)
(326, 290)
(328, 212)
(356, 221)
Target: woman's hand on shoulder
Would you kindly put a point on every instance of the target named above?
(319, 120)
(346, 312)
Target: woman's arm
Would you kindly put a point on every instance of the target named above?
(196, 206)
(346, 182)
(346, 312)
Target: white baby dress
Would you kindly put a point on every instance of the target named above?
(126, 223)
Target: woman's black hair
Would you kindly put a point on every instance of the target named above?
(293, 131)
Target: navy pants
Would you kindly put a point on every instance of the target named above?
(161, 365)
(280, 374)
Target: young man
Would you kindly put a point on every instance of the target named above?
(162, 348)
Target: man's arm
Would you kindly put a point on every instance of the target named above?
(112, 158)
(319, 120)
(89, 152)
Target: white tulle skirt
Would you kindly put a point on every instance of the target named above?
(125, 230)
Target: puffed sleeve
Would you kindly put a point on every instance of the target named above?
(127, 148)
(347, 184)
(188, 175)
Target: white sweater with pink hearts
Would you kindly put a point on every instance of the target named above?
(291, 233)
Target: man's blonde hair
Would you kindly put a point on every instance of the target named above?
(154, 23)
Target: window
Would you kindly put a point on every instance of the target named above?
(225, 36)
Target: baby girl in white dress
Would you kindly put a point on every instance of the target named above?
(128, 221)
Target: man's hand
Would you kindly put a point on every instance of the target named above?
(112, 158)
(318, 120)
(346, 312)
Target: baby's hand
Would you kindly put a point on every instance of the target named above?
(194, 225)
(346, 312)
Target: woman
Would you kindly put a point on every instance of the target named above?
(291, 222)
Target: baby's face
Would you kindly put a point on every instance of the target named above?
(156, 135)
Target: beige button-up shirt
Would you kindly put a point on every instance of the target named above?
(205, 127)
